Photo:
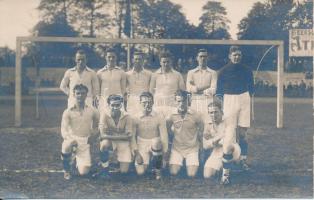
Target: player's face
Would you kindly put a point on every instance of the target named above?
(202, 59)
(235, 57)
(115, 107)
(80, 60)
(138, 61)
(147, 104)
(165, 64)
(80, 95)
(111, 59)
(215, 114)
(182, 104)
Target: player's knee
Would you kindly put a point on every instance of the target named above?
(104, 145)
(140, 169)
(191, 171)
(67, 146)
(156, 144)
(174, 169)
(209, 172)
(83, 170)
(228, 148)
(124, 167)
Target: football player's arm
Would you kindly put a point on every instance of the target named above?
(207, 140)
(200, 125)
(99, 80)
(127, 89)
(95, 85)
(137, 156)
(152, 85)
(103, 127)
(163, 135)
(169, 123)
(64, 85)
(95, 119)
(181, 82)
(65, 125)
(123, 83)
(190, 86)
(211, 89)
(213, 83)
(220, 83)
(129, 128)
(134, 135)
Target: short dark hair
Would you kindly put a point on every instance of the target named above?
(216, 103)
(114, 97)
(80, 87)
(234, 49)
(80, 51)
(147, 94)
(111, 50)
(202, 51)
(164, 55)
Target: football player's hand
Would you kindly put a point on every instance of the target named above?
(194, 89)
(208, 92)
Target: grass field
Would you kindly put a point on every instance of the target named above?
(281, 160)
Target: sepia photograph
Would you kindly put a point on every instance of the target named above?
(156, 99)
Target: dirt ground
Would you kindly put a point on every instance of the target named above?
(281, 160)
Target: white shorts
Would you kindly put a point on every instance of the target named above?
(82, 154)
(176, 158)
(214, 161)
(134, 105)
(88, 101)
(123, 150)
(237, 109)
(145, 149)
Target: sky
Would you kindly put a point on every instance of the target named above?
(17, 17)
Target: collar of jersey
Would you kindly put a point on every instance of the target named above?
(160, 72)
(198, 68)
(86, 69)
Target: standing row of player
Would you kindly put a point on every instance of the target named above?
(111, 84)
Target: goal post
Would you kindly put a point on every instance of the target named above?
(18, 64)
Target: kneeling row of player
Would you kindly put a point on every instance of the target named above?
(145, 137)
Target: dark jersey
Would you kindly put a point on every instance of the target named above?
(235, 79)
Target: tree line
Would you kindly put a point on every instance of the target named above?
(269, 20)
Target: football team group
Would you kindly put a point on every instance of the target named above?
(156, 120)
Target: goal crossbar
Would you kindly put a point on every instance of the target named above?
(18, 63)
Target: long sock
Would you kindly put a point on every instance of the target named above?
(104, 158)
(226, 163)
(157, 158)
(66, 159)
(244, 146)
